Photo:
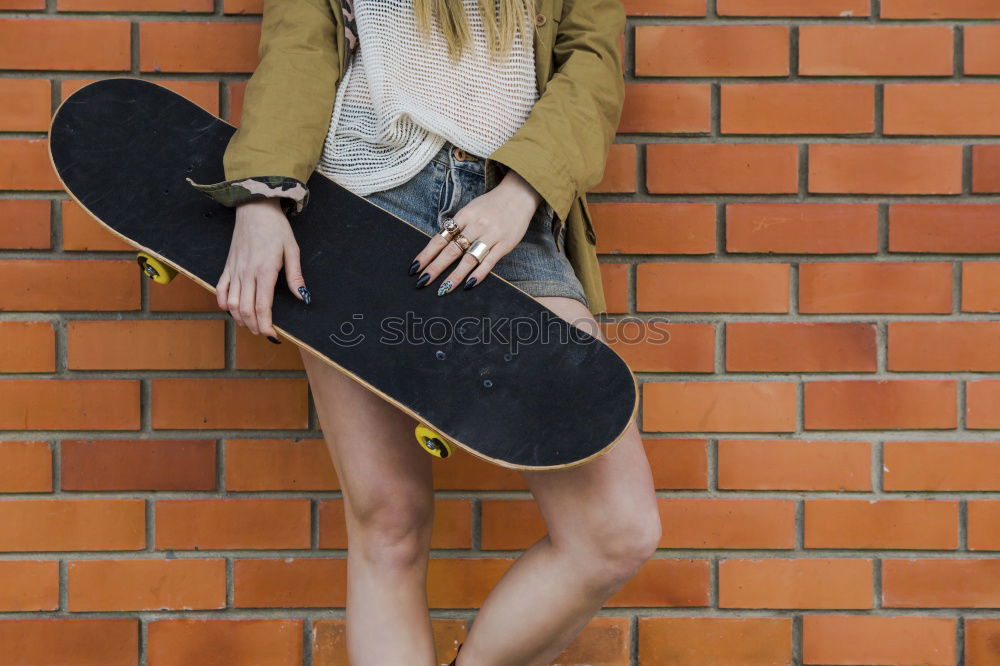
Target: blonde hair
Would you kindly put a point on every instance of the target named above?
(514, 16)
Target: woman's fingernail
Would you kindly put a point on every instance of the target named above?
(444, 288)
(273, 339)
(414, 267)
(468, 283)
(305, 295)
(424, 279)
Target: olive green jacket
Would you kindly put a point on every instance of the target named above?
(560, 149)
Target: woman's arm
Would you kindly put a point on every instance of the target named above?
(286, 108)
(562, 146)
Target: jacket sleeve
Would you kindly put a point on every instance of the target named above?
(563, 144)
(286, 109)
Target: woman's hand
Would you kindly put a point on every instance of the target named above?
(498, 218)
(262, 243)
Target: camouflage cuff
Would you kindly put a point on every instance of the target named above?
(293, 192)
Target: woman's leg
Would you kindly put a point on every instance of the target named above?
(388, 505)
(603, 523)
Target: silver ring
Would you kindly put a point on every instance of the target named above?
(478, 250)
(448, 229)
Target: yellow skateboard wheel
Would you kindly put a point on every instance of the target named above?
(154, 269)
(432, 443)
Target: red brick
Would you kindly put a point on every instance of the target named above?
(782, 108)
(615, 280)
(232, 524)
(80, 231)
(243, 6)
(25, 467)
(667, 108)
(181, 295)
(935, 109)
(190, 46)
(779, 8)
(665, 7)
(256, 352)
(69, 404)
(134, 6)
(800, 347)
(943, 346)
(723, 406)
(880, 405)
(146, 345)
(28, 585)
(982, 50)
(64, 45)
(203, 93)
(146, 584)
(329, 638)
(979, 286)
(107, 642)
(712, 287)
(68, 524)
(722, 524)
(813, 583)
(92, 284)
(22, 4)
(983, 522)
(27, 105)
(734, 641)
(982, 404)
(678, 464)
(664, 583)
(936, 9)
(659, 347)
(229, 403)
(711, 50)
(941, 583)
(986, 169)
(137, 464)
(654, 228)
(981, 637)
(706, 168)
(24, 224)
(940, 466)
(801, 228)
(758, 464)
(619, 170)
(25, 163)
(290, 583)
(875, 287)
(463, 582)
(261, 642)
(944, 228)
(254, 465)
(845, 639)
(464, 471)
(875, 50)
(881, 524)
(885, 169)
(27, 346)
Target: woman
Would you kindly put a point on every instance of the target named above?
(483, 122)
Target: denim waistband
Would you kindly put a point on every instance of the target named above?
(446, 155)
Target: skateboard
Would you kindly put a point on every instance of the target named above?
(489, 370)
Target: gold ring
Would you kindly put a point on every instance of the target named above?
(478, 250)
(462, 242)
(448, 229)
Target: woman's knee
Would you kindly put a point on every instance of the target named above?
(390, 533)
(619, 546)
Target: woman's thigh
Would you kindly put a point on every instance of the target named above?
(612, 493)
(384, 474)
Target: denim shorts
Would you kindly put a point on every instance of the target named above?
(445, 185)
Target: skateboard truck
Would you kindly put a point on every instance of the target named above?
(154, 269)
(432, 443)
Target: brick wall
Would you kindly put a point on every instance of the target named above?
(804, 189)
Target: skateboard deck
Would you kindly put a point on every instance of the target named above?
(553, 397)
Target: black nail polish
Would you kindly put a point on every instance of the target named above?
(273, 339)
(414, 267)
(424, 279)
(468, 283)
(305, 295)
